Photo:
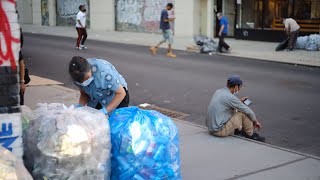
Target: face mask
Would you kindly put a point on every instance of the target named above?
(86, 82)
(235, 92)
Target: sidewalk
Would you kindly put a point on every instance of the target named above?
(240, 48)
(204, 157)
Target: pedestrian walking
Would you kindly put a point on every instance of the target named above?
(224, 25)
(292, 29)
(101, 85)
(22, 71)
(166, 32)
(223, 120)
(172, 15)
(81, 27)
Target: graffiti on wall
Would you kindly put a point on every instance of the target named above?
(44, 13)
(67, 12)
(10, 123)
(9, 38)
(139, 15)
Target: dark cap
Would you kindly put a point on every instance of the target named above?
(234, 80)
(81, 5)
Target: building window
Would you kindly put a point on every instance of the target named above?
(251, 14)
(267, 14)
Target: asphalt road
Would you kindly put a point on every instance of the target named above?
(285, 97)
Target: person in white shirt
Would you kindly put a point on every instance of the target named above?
(292, 29)
(81, 27)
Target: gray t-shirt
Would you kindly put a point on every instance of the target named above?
(222, 107)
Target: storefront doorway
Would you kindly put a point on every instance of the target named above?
(228, 9)
(261, 19)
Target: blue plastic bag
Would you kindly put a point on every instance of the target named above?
(145, 145)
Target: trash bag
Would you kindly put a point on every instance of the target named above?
(68, 143)
(145, 145)
(27, 116)
(199, 39)
(283, 45)
(312, 43)
(301, 42)
(12, 168)
(209, 46)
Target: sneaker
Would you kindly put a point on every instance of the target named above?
(77, 48)
(239, 133)
(257, 137)
(153, 51)
(229, 50)
(171, 55)
(83, 47)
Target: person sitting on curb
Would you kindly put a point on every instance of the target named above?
(222, 119)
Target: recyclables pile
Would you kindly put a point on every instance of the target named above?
(68, 143)
(309, 43)
(206, 44)
(144, 145)
(11, 168)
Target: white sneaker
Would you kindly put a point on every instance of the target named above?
(83, 47)
(78, 48)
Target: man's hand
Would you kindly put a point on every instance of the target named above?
(22, 88)
(243, 99)
(257, 125)
(219, 33)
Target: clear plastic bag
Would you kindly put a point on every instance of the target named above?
(12, 168)
(313, 42)
(301, 42)
(68, 143)
(145, 145)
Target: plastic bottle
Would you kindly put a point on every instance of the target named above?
(158, 155)
(126, 175)
(151, 148)
(124, 165)
(146, 174)
(126, 145)
(138, 177)
(141, 148)
(147, 162)
(162, 139)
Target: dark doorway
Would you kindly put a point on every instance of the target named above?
(219, 9)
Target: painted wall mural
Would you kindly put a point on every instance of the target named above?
(44, 13)
(67, 11)
(139, 15)
(10, 117)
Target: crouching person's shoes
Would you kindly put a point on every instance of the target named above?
(256, 137)
(238, 132)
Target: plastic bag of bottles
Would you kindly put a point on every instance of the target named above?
(145, 145)
(12, 168)
(313, 42)
(301, 42)
(68, 143)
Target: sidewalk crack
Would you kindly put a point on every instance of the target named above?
(267, 169)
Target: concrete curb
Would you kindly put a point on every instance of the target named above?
(257, 142)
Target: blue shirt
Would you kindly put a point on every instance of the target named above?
(224, 21)
(164, 15)
(107, 81)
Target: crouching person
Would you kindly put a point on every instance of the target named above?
(227, 114)
(100, 84)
